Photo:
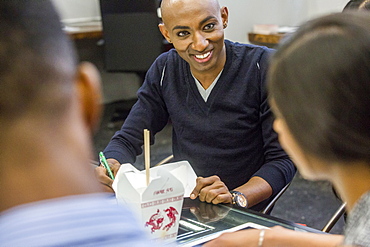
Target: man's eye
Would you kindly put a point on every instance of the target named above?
(209, 26)
(182, 33)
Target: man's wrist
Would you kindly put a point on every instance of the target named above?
(239, 199)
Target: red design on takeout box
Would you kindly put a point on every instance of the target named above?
(156, 220)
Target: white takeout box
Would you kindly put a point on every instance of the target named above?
(159, 204)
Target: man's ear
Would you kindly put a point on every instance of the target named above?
(89, 89)
(224, 15)
(164, 32)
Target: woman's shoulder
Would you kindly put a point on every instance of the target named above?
(358, 225)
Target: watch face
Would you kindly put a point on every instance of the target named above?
(241, 201)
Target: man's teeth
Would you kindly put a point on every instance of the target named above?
(203, 56)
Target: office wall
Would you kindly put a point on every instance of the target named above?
(78, 10)
(243, 13)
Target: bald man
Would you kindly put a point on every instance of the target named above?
(213, 90)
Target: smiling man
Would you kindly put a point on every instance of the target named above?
(213, 90)
(199, 41)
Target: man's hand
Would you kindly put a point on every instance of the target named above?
(211, 190)
(102, 175)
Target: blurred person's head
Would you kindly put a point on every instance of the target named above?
(319, 86)
(49, 106)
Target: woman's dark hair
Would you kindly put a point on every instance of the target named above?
(319, 82)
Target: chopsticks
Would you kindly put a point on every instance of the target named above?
(147, 155)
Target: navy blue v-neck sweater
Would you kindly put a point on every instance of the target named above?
(230, 135)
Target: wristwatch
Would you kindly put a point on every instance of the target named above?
(239, 199)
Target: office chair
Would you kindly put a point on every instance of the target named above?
(271, 204)
(334, 219)
(165, 160)
(132, 40)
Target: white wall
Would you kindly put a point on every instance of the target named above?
(243, 13)
(78, 10)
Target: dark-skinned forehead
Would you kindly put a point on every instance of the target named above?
(169, 5)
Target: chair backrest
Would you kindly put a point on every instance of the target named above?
(164, 161)
(271, 204)
(334, 219)
(132, 40)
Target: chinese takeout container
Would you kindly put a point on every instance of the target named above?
(159, 204)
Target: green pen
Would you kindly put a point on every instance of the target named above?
(103, 161)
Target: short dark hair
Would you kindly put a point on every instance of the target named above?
(320, 84)
(37, 59)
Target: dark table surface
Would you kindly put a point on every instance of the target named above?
(201, 221)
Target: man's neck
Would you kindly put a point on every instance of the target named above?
(206, 82)
(35, 168)
(207, 78)
(40, 183)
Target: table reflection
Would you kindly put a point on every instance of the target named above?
(202, 221)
